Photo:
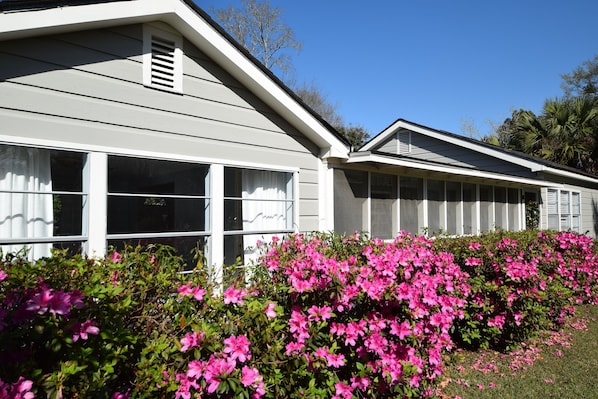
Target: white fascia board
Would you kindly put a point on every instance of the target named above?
(15, 25)
(380, 159)
(533, 166)
(570, 175)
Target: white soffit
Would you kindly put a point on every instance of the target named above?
(363, 157)
(22, 24)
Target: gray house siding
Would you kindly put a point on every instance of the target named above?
(87, 89)
(419, 146)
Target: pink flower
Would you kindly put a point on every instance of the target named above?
(343, 391)
(249, 375)
(3, 275)
(319, 313)
(118, 395)
(189, 290)
(237, 348)
(195, 369)
(191, 340)
(474, 246)
(81, 330)
(116, 257)
(270, 311)
(234, 296)
(41, 300)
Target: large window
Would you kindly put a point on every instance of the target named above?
(156, 201)
(42, 200)
(258, 204)
(470, 220)
(564, 210)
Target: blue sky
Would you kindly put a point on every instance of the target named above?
(437, 63)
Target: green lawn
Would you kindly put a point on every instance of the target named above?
(561, 365)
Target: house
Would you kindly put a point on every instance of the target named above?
(411, 177)
(142, 121)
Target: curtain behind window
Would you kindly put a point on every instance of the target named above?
(264, 195)
(25, 211)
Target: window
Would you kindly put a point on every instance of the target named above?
(162, 60)
(158, 201)
(564, 210)
(42, 200)
(258, 204)
(469, 208)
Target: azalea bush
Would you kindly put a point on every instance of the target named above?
(521, 283)
(318, 315)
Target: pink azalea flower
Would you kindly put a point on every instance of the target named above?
(81, 330)
(237, 348)
(118, 395)
(41, 300)
(195, 369)
(234, 296)
(270, 311)
(343, 391)
(60, 303)
(117, 257)
(3, 275)
(191, 340)
(249, 375)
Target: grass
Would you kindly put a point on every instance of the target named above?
(560, 364)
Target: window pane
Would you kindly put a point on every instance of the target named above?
(155, 214)
(186, 247)
(258, 200)
(350, 201)
(552, 209)
(384, 205)
(150, 176)
(34, 197)
(411, 204)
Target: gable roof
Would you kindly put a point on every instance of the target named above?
(30, 18)
(518, 158)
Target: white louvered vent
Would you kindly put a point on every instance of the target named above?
(162, 63)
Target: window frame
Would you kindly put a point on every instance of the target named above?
(560, 214)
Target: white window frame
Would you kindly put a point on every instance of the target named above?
(151, 34)
(85, 211)
(560, 212)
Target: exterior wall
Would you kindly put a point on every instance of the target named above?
(419, 146)
(589, 204)
(84, 91)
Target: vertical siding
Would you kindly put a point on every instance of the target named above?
(85, 90)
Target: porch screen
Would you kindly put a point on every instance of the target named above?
(453, 207)
(436, 210)
(350, 201)
(486, 208)
(411, 204)
(384, 205)
(469, 209)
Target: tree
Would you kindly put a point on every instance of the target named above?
(565, 132)
(583, 80)
(259, 28)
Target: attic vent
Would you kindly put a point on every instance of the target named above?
(162, 60)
